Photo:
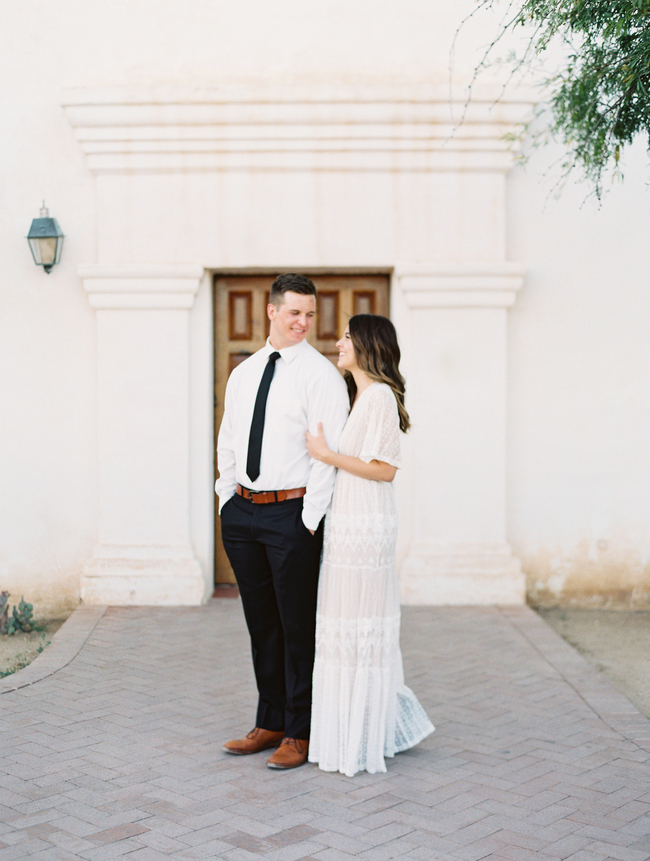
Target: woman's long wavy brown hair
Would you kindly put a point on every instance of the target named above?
(377, 353)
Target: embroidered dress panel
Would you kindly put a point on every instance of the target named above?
(362, 711)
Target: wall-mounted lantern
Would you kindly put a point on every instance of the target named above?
(45, 239)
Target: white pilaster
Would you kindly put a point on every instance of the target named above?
(457, 393)
(144, 553)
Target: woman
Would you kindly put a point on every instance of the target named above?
(361, 710)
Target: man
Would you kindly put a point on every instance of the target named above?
(272, 500)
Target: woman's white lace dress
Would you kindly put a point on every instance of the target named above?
(362, 711)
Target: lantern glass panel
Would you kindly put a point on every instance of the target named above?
(45, 239)
(45, 250)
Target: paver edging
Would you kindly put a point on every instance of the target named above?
(65, 645)
(606, 701)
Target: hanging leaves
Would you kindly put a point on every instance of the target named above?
(600, 99)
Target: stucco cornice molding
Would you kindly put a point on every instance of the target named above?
(389, 127)
(460, 285)
(141, 286)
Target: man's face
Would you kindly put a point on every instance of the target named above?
(292, 320)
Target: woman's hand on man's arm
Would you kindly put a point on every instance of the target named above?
(376, 470)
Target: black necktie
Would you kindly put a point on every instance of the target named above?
(257, 424)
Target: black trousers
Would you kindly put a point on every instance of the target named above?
(276, 561)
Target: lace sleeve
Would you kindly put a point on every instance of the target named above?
(381, 440)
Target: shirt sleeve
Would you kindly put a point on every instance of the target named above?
(382, 439)
(226, 483)
(328, 403)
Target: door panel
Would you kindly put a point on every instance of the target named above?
(241, 327)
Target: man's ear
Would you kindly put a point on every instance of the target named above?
(270, 311)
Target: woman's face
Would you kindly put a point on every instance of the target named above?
(347, 359)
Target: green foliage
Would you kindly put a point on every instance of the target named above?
(4, 611)
(20, 664)
(600, 99)
(43, 644)
(22, 618)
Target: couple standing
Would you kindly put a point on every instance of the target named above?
(276, 482)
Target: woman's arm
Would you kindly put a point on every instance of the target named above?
(376, 470)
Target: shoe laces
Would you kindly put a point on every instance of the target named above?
(294, 743)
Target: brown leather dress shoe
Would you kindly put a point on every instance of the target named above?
(257, 739)
(291, 753)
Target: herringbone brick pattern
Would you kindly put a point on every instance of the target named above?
(118, 753)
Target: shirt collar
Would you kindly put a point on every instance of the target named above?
(288, 354)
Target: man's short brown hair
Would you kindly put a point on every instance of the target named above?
(293, 282)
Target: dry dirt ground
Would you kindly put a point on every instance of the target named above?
(20, 649)
(616, 642)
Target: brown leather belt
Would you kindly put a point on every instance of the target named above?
(263, 496)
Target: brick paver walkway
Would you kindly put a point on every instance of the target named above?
(117, 754)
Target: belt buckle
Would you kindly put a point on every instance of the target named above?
(262, 493)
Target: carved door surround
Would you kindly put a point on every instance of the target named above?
(241, 328)
(181, 182)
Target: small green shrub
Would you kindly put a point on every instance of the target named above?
(21, 619)
(4, 611)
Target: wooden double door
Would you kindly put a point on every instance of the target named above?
(241, 326)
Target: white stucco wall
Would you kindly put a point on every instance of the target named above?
(48, 467)
(578, 403)
(579, 413)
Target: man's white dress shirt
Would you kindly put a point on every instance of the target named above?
(306, 389)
